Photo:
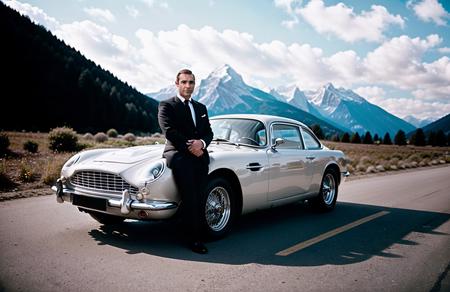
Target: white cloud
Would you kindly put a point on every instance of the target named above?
(420, 109)
(343, 22)
(151, 64)
(371, 92)
(132, 11)
(102, 14)
(398, 62)
(288, 6)
(154, 3)
(36, 14)
(430, 10)
(444, 50)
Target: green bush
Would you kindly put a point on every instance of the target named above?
(112, 133)
(63, 140)
(31, 146)
(4, 143)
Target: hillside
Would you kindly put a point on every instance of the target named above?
(440, 124)
(46, 84)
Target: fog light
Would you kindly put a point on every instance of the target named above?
(142, 214)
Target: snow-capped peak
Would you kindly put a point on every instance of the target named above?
(329, 97)
(225, 73)
(224, 81)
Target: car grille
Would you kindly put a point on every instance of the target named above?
(102, 181)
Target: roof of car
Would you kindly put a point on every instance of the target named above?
(266, 119)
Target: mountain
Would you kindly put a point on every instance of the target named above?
(224, 92)
(46, 84)
(167, 92)
(294, 96)
(440, 124)
(349, 110)
(417, 122)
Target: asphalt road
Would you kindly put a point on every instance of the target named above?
(387, 233)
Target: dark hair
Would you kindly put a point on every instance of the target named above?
(184, 71)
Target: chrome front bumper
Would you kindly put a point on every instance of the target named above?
(125, 207)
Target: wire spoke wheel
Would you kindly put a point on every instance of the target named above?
(218, 208)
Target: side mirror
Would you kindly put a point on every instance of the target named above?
(278, 141)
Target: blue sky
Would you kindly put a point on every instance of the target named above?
(396, 54)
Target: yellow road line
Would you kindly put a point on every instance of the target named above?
(329, 234)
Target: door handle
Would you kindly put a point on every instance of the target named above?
(254, 166)
(310, 157)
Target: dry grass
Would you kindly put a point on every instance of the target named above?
(21, 170)
(365, 159)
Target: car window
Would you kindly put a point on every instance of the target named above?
(289, 133)
(310, 141)
(242, 131)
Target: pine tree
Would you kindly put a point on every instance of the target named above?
(368, 138)
(356, 138)
(440, 138)
(387, 139)
(400, 138)
(317, 131)
(376, 139)
(346, 138)
(432, 138)
(418, 138)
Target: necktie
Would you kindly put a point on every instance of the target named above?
(187, 109)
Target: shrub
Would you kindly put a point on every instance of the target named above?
(100, 137)
(5, 181)
(130, 137)
(26, 173)
(4, 143)
(157, 135)
(31, 146)
(63, 140)
(52, 172)
(112, 133)
(88, 136)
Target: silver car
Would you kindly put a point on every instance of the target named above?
(257, 162)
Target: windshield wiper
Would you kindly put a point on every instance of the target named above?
(216, 139)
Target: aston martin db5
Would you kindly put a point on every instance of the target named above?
(257, 162)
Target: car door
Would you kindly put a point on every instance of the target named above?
(288, 173)
(315, 161)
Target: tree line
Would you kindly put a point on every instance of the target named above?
(47, 84)
(418, 138)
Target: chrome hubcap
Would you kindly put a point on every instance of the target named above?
(328, 189)
(218, 208)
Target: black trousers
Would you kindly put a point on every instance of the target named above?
(190, 174)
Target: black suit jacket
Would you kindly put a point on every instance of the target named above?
(174, 124)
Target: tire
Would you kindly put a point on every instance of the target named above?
(326, 199)
(219, 209)
(106, 219)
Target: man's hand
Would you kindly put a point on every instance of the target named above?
(195, 147)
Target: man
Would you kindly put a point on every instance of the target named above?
(185, 124)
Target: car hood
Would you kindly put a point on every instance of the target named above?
(130, 155)
(131, 159)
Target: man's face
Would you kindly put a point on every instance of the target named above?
(186, 84)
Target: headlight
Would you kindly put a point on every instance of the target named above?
(155, 171)
(74, 159)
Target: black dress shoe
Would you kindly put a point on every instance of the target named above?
(198, 247)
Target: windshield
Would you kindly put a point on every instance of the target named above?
(242, 131)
